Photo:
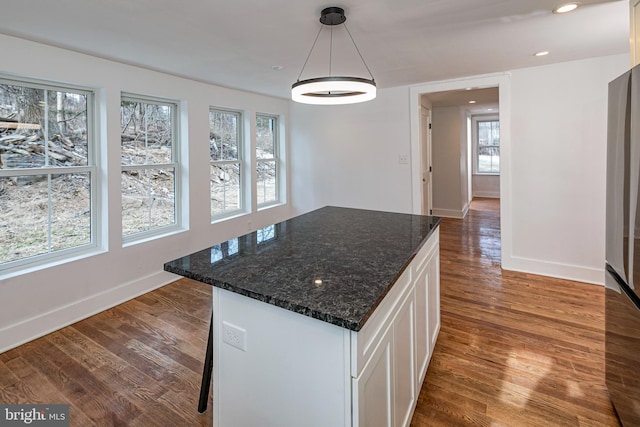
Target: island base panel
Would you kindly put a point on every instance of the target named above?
(294, 371)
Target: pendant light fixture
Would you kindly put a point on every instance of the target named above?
(333, 90)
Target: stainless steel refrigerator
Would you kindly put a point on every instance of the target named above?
(622, 277)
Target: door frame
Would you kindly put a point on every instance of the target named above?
(425, 159)
(503, 82)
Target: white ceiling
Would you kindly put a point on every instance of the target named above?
(455, 98)
(236, 43)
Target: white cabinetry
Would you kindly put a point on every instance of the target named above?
(393, 349)
(373, 389)
(404, 361)
(427, 285)
(295, 370)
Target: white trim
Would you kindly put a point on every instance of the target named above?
(37, 326)
(487, 194)
(577, 273)
(634, 40)
(449, 213)
(503, 82)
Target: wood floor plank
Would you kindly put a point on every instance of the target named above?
(8, 376)
(514, 349)
(163, 337)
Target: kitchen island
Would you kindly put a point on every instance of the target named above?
(326, 319)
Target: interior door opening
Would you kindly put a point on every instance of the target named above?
(451, 117)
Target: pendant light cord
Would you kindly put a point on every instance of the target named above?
(330, 49)
(357, 50)
(311, 51)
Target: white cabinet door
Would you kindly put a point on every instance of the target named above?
(423, 338)
(404, 362)
(434, 299)
(427, 289)
(373, 390)
(391, 353)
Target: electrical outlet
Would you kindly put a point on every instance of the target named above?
(249, 225)
(234, 335)
(403, 159)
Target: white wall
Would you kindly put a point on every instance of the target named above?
(35, 303)
(486, 186)
(558, 162)
(448, 157)
(554, 208)
(349, 155)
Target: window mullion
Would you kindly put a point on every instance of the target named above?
(45, 131)
(49, 203)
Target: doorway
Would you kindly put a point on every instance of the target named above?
(458, 150)
(502, 83)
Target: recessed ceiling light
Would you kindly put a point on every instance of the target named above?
(472, 102)
(277, 67)
(567, 7)
(543, 53)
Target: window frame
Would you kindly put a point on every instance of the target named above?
(157, 232)
(240, 161)
(92, 168)
(475, 120)
(276, 160)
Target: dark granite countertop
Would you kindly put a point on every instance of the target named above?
(333, 264)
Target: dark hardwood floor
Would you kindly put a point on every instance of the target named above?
(514, 349)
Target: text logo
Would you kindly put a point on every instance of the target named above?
(34, 415)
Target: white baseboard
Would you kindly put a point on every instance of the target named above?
(487, 194)
(450, 213)
(37, 326)
(562, 271)
(465, 209)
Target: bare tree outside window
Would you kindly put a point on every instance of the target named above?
(225, 144)
(149, 165)
(46, 171)
(267, 159)
(488, 133)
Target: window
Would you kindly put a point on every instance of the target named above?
(47, 172)
(149, 166)
(225, 148)
(487, 146)
(267, 159)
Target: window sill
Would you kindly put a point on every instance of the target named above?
(145, 237)
(270, 205)
(228, 216)
(32, 267)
